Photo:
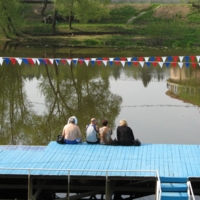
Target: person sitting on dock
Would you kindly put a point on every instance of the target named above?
(105, 133)
(92, 132)
(71, 132)
(125, 135)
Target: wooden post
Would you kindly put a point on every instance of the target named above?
(109, 188)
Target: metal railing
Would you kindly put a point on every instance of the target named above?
(190, 191)
(69, 173)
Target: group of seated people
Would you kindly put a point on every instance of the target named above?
(96, 135)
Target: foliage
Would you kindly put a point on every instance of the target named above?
(10, 16)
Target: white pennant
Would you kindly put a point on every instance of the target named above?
(142, 63)
(105, 62)
(34, 60)
(180, 64)
(129, 59)
(93, 59)
(181, 58)
(111, 59)
(19, 60)
(146, 59)
(198, 57)
(123, 63)
(51, 60)
(38, 62)
(87, 62)
(161, 64)
(1, 61)
(69, 61)
(163, 59)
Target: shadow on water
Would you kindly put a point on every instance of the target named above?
(75, 89)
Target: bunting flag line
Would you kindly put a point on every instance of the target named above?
(154, 61)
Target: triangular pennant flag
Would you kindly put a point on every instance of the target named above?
(80, 60)
(192, 58)
(7, 61)
(13, 61)
(167, 64)
(123, 61)
(64, 61)
(98, 62)
(75, 60)
(175, 58)
(160, 64)
(180, 64)
(46, 61)
(42, 61)
(38, 62)
(135, 63)
(105, 62)
(181, 58)
(93, 61)
(194, 65)
(134, 59)
(51, 61)
(198, 57)
(154, 64)
(87, 60)
(111, 61)
(34, 60)
(69, 61)
(187, 64)
(152, 59)
(169, 58)
(187, 58)
(30, 61)
(1, 61)
(25, 61)
(140, 58)
(164, 59)
(173, 64)
(158, 59)
(142, 63)
(57, 61)
(146, 59)
(19, 61)
(148, 64)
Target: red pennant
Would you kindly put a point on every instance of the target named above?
(13, 61)
(194, 65)
(154, 64)
(117, 62)
(46, 60)
(98, 62)
(192, 58)
(141, 59)
(158, 59)
(80, 61)
(175, 58)
(173, 64)
(30, 61)
(63, 61)
(135, 63)
(123, 59)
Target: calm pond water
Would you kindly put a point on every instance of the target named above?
(36, 101)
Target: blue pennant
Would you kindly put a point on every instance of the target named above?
(42, 61)
(129, 63)
(187, 58)
(169, 58)
(187, 64)
(111, 63)
(152, 59)
(148, 64)
(25, 61)
(167, 64)
(57, 61)
(134, 59)
(75, 61)
(7, 61)
(92, 62)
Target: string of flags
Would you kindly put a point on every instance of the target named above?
(193, 61)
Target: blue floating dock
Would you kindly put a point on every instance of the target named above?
(175, 164)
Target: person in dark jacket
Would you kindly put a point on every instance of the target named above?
(125, 135)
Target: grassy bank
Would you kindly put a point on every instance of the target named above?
(175, 26)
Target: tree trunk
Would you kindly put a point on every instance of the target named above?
(44, 7)
(54, 22)
(70, 20)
